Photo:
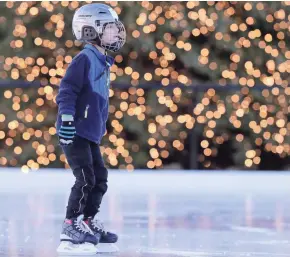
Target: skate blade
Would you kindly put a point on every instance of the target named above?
(107, 248)
(70, 249)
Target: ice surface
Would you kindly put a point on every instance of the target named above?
(156, 214)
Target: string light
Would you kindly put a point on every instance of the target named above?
(159, 119)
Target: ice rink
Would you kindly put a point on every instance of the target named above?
(155, 213)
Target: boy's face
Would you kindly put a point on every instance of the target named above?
(114, 34)
(110, 34)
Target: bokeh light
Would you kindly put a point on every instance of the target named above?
(172, 48)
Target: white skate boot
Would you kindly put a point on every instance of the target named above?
(77, 238)
(107, 239)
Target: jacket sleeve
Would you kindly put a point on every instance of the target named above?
(76, 76)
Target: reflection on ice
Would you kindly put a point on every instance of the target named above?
(154, 220)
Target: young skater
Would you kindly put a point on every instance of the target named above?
(83, 111)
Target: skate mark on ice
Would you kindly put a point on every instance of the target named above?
(176, 253)
(266, 242)
(253, 230)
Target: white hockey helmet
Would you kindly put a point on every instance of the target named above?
(99, 24)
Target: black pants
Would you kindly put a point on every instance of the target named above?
(86, 162)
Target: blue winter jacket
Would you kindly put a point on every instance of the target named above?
(84, 93)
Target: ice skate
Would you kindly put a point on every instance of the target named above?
(77, 238)
(106, 239)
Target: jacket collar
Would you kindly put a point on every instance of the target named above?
(106, 59)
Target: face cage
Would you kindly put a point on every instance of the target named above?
(112, 35)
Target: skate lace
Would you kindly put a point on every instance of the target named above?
(83, 227)
(99, 225)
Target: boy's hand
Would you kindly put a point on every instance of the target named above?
(67, 130)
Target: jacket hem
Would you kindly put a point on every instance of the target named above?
(88, 138)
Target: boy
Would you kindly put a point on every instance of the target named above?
(83, 112)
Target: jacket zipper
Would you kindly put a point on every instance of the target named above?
(86, 111)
